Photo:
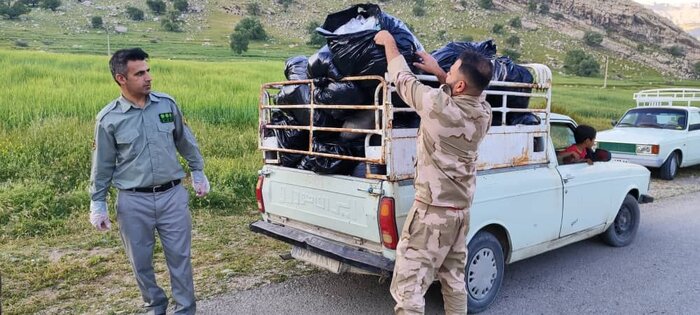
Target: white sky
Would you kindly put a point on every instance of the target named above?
(667, 1)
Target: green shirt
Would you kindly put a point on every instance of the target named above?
(136, 147)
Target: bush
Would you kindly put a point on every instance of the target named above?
(50, 4)
(558, 16)
(418, 10)
(13, 11)
(512, 53)
(157, 6)
(315, 39)
(285, 3)
(592, 38)
(181, 5)
(513, 41)
(486, 4)
(581, 64)
(467, 38)
(172, 22)
(640, 47)
(21, 43)
(515, 22)
(239, 42)
(134, 13)
(676, 51)
(30, 3)
(252, 28)
(544, 8)
(498, 28)
(442, 35)
(532, 6)
(253, 8)
(96, 22)
(696, 69)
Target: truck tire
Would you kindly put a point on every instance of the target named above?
(624, 228)
(669, 169)
(484, 271)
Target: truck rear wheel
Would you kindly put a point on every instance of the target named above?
(624, 228)
(484, 271)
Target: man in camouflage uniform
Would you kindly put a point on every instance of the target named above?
(454, 120)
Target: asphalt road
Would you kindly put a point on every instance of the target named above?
(657, 274)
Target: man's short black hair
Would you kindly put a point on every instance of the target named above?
(117, 64)
(476, 68)
(583, 132)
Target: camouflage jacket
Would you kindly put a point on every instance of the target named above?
(450, 132)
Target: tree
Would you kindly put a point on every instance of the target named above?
(486, 4)
(252, 28)
(697, 69)
(181, 5)
(157, 6)
(30, 3)
(13, 11)
(50, 4)
(592, 38)
(532, 6)
(676, 51)
(515, 22)
(239, 42)
(544, 8)
(253, 8)
(513, 41)
(96, 22)
(316, 39)
(134, 13)
(580, 63)
(497, 28)
(172, 22)
(418, 10)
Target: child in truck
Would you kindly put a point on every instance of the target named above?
(578, 152)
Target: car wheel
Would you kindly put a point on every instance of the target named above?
(670, 168)
(484, 271)
(624, 228)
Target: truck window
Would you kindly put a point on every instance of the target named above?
(562, 136)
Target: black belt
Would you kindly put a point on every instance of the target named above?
(157, 188)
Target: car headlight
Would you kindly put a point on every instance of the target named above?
(647, 149)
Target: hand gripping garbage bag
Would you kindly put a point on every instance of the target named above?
(350, 35)
(448, 54)
(504, 69)
(289, 138)
(321, 65)
(295, 69)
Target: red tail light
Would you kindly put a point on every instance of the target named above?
(387, 223)
(258, 194)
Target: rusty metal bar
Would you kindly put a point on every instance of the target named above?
(334, 156)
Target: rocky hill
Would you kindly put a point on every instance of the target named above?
(687, 15)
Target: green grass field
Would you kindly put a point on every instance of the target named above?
(53, 261)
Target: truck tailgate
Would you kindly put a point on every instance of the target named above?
(338, 203)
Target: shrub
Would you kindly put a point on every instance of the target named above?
(676, 51)
(515, 22)
(442, 35)
(285, 3)
(181, 5)
(498, 28)
(579, 63)
(252, 28)
(467, 38)
(513, 41)
(50, 4)
(21, 43)
(544, 8)
(696, 69)
(512, 53)
(239, 42)
(418, 10)
(253, 8)
(172, 22)
(532, 6)
(315, 39)
(157, 6)
(486, 4)
(13, 11)
(558, 16)
(96, 22)
(30, 3)
(134, 13)
(592, 38)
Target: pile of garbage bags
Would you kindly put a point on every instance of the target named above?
(351, 51)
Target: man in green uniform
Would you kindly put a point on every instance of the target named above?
(454, 119)
(137, 138)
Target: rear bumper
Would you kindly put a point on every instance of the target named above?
(645, 199)
(354, 257)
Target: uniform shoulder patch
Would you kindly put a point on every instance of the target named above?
(163, 95)
(166, 117)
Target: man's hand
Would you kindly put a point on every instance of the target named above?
(430, 65)
(98, 215)
(200, 183)
(384, 38)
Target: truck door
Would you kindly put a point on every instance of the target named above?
(586, 203)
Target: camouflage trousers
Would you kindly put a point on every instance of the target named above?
(433, 240)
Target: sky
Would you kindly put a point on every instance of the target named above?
(667, 1)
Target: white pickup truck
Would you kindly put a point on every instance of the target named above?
(525, 204)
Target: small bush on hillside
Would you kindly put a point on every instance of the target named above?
(134, 13)
(696, 69)
(316, 39)
(486, 4)
(544, 8)
(158, 7)
(30, 3)
(512, 53)
(418, 10)
(50, 4)
(252, 28)
(96, 22)
(515, 22)
(581, 64)
(172, 22)
(13, 11)
(532, 6)
(676, 51)
(253, 8)
(513, 41)
(498, 28)
(181, 5)
(21, 43)
(442, 35)
(592, 38)
(285, 3)
(558, 16)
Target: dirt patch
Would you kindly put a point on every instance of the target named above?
(687, 181)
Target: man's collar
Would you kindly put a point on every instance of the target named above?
(125, 104)
(447, 89)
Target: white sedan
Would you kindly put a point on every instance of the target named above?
(658, 133)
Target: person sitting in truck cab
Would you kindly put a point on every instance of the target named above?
(578, 152)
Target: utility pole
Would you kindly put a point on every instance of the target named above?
(109, 49)
(605, 82)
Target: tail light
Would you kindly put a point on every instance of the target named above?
(387, 223)
(258, 194)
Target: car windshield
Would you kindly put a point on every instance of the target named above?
(661, 118)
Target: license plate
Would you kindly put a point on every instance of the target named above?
(324, 262)
(620, 160)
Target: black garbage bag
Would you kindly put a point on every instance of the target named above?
(295, 69)
(321, 65)
(448, 54)
(329, 92)
(506, 70)
(289, 138)
(325, 165)
(350, 35)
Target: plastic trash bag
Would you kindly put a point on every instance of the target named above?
(289, 138)
(448, 54)
(506, 70)
(295, 69)
(325, 165)
(330, 92)
(350, 35)
(321, 65)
